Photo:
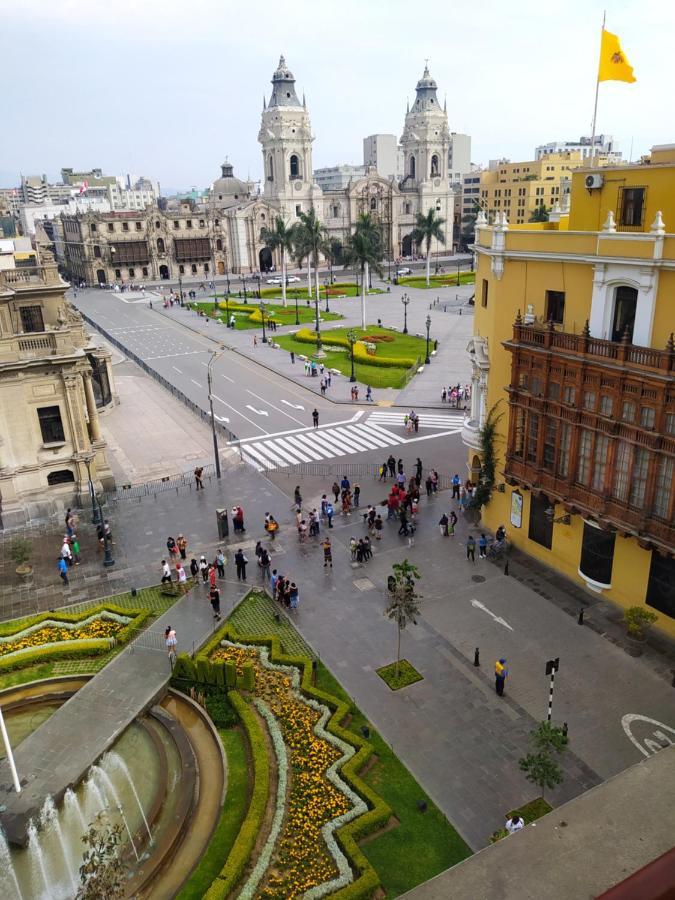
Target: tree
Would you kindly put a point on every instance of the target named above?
(540, 214)
(427, 227)
(404, 606)
(310, 241)
(101, 873)
(541, 767)
(280, 237)
(364, 249)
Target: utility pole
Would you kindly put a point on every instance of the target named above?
(552, 667)
(214, 355)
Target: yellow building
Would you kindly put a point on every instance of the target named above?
(573, 347)
(519, 188)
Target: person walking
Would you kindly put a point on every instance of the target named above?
(220, 563)
(327, 553)
(75, 546)
(203, 568)
(418, 471)
(171, 642)
(166, 572)
(391, 462)
(455, 486)
(356, 496)
(482, 547)
(171, 547)
(369, 394)
(294, 596)
(212, 576)
(265, 562)
(443, 523)
(181, 543)
(383, 472)
(500, 676)
(379, 525)
(240, 562)
(452, 522)
(471, 548)
(199, 478)
(297, 499)
(336, 491)
(315, 417)
(63, 570)
(292, 357)
(214, 597)
(194, 570)
(180, 572)
(330, 511)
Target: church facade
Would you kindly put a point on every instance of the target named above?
(223, 233)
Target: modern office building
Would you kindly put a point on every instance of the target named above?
(603, 145)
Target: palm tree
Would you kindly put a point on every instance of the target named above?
(404, 606)
(309, 242)
(280, 237)
(426, 228)
(364, 248)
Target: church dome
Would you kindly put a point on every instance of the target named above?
(426, 82)
(229, 188)
(283, 86)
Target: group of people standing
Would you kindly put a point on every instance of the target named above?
(200, 569)
(456, 395)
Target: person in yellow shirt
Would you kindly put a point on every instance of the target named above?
(500, 676)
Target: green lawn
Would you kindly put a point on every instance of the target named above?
(438, 281)
(424, 843)
(404, 345)
(284, 316)
(234, 810)
(407, 674)
(339, 289)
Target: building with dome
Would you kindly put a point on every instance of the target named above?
(223, 232)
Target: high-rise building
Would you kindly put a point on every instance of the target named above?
(603, 145)
(459, 156)
(574, 363)
(337, 178)
(381, 152)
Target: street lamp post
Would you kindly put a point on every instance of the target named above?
(209, 378)
(459, 266)
(405, 300)
(326, 283)
(243, 281)
(10, 755)
(113, 251)
(352, 337)
(428, 324)
(297, 314)
(227, 275)
(262, 313)
(95, 519)
(180, 288)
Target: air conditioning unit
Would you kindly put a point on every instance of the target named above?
(594, 182)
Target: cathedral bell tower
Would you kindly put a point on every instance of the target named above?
(426, 138)
(286, 139)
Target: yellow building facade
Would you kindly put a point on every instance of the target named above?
(573, 350)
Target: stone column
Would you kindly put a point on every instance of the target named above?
(92, 412)
(73, 405)
(475, 398)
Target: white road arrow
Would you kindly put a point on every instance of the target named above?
(219, 418)
(294, 405)
(260, 412)
(497, 619)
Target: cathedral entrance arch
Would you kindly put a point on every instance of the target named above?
(221, 267)
(164, 272)
(265, 259)
(100, 276)
(407, 245)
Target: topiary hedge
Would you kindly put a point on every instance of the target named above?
(75, 649)
(306, 336)
(240, 854)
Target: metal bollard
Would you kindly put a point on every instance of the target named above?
(506, 568)
(580, 620)
(564, 729)
(476, 657)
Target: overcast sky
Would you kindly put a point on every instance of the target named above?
(168, 89)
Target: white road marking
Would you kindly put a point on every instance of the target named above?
(177, 369)
(259, 412)
(195, 382)
(654, 746)
(294, 405)
(226, 377)
(357, 416)
(497, 619)
(276, 408)
(217, 417)
(236, 411)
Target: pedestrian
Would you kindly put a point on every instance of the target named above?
(434, 481)
(220, 563)
(315, 417)
(403, 519)
(379, 524)
(265, 562)
(444, 395)
(327, 554)
(238, 519)
(171, 641)
(399, 465)
(297, 498)
(63, 570)
(273, 582)
(428, 484)
(212, 576)
(357, 496)
(194, 569)
(367, 548)
(359, 553)
(513, 823)
(444, 525)
(302, 531)
(75, 544)
(203, 568)
(418, 470)
(336, 490)
(400, 480)
(292, 357)
(240, 562)
(329, 513)
(455, 486)
(66, 552)
(313, 523)
(471, 548)
(452, 523)
(199, 479)
(271, 525)
(166, 572)
(329, 378)
(352, 548)
(70, 522)
(383, 472)
(500, 676)
(255, 341)
(294, 596)
(369, 394)
(171, 547)
(322, 387)
(214, 597)
(391, 462)
(324, 506)
(181, 543)
(482, 546)
(180, 572)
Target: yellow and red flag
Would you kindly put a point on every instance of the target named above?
(613, 63)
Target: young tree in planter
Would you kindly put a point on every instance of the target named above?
(101, 873)
(541, 766)
(404, 606)
(20, 552)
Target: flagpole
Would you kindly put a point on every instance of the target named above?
(597, 90)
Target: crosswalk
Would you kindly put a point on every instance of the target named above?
(316, 445)
(427, 420)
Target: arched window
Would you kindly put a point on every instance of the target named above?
(270, 168)
(406, 209)
(294, 166)
(194, 268)
(434, 165)
(219, 244)
(160, 245)
(97, 251)
(412, 166)
(623, 318)
(158, 224)
(373, 202)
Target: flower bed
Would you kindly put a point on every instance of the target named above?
(315, 853)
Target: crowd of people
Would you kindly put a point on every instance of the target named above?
(456, 395)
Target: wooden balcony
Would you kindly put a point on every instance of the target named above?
(594, 350)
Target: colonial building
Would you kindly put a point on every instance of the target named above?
(224, 233)
(573, 350)
(53, 382)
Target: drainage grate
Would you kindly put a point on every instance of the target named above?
(479, 579)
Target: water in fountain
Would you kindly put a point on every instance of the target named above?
(114, 761)
(37, 861)
(49, 820)
(72, 805)
(109, 788)
(94, 801)
(7, 873)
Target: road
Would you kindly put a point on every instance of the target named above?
(271, 416)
